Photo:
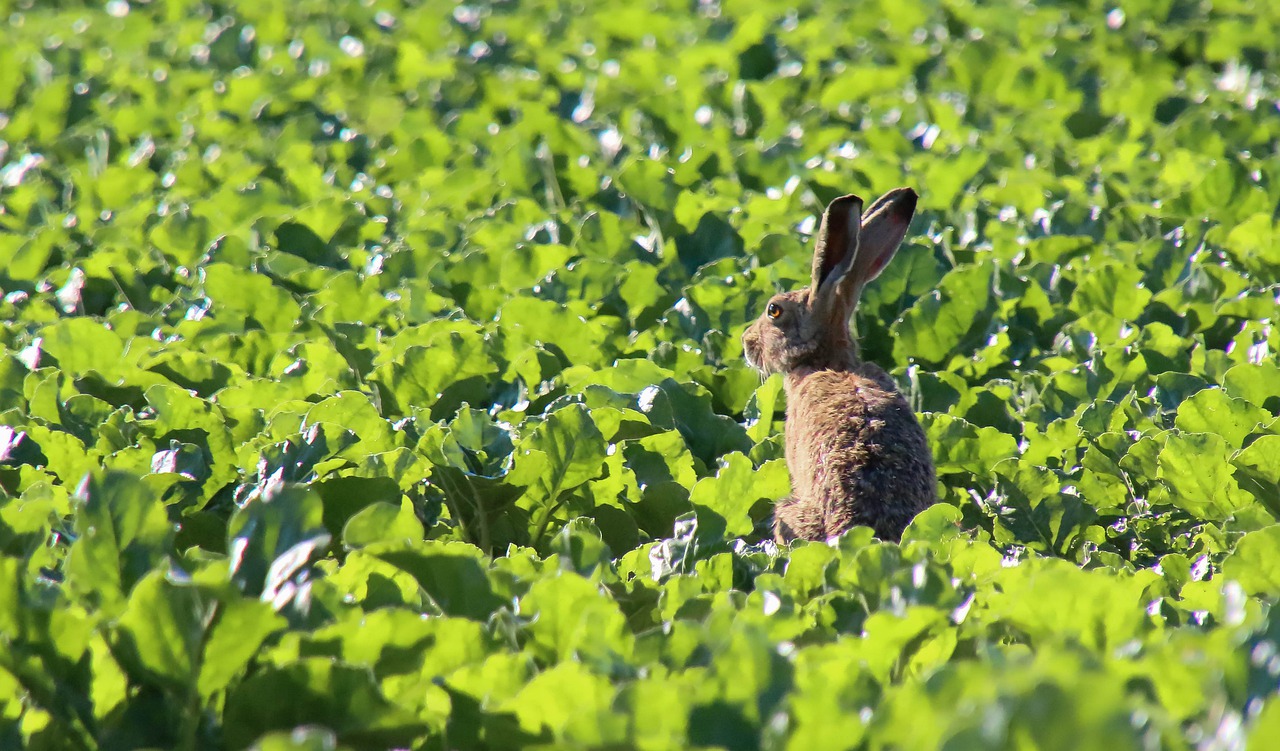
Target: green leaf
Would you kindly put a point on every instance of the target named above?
(581, 339)
(456, 367)
(163, 628)
(272, 538)
(573, 446)
(938, 523)
(1258, 383)
(669, 404)
(960, 447)
(82, 345)
(1212, 411)
(581, 547)
(571, 451)
(1258, 470)
(305, 738)
(342, 698)
(1099, 608)
(453, 575)
(589, 719)
(122, 532)
(1196, 469)
(1266, 724)
(253, 296)
(762, 408)
(188, 419)
(1255, 562)
(237, 633)
(832, 687)
(938, 325)
(1033, 510)
(355, 412)
(382, 522)
(663, 457)
(724, 502)
(64, 454)
(713, 239)
(570, 618)
(1255, 242)
(1111, 287)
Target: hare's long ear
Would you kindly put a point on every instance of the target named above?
(834, 251)
(884, 225)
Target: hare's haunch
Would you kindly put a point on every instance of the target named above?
(856, 452)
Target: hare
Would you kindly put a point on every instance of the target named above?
(856, 452)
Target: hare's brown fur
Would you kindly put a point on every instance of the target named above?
(856, 452)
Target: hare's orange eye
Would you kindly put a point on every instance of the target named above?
(773, 310)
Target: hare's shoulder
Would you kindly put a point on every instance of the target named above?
(844, 395)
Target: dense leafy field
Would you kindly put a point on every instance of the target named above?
(374, 368)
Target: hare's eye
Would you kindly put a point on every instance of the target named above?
(774, 311)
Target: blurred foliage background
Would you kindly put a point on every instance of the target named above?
(371, 374)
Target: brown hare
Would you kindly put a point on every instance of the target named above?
(856, 452)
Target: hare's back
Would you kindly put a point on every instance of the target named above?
(864, 450)
(842, 403)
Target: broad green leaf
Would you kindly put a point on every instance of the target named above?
(382, 522)
(272, 539)
(580, 339)
(342, 698)
(570, 451)
(163, 628)
(1098, 608)
(1255, 241)
(1034, 510)
(1111, 287)
(571, 620)
(762, 409)
(1266, 724)
(1212, 411)
(457, 365)
(935, 524)
(234, 638)
(250, 295)
(355, 412)
(81, 345)
(1258, 470)
(122, 533)
(938, 324)
(1255, 562)
(959, 446)
(589, 720)
(65, 455)
(303, 738)
(832, 686)
(724, 502)
(1196, 469)
(582, 549)
(668, 403)
(663, 457)
(453, 575)
(1258, 383)
(573, 446)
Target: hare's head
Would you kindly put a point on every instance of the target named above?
(809, 328)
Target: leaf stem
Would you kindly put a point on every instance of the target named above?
(544, 522)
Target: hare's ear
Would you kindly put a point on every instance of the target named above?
(882, 232)
(884, 225)
(836, 248)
